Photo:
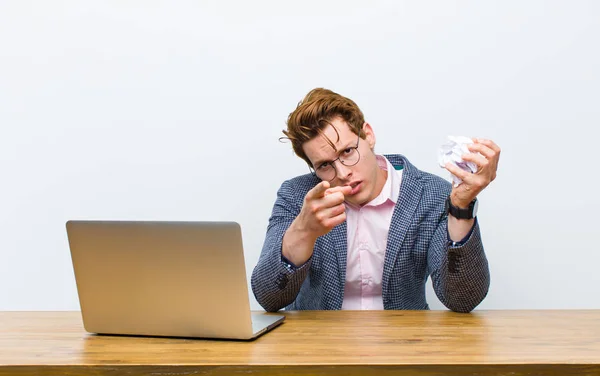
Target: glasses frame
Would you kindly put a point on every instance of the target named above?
(332, 163)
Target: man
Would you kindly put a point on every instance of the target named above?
(365, 231)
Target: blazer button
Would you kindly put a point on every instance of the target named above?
(453, 261)
(282, 281)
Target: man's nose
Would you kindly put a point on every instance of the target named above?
(342, 171)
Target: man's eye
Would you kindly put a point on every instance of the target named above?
(324, 165)
(348, 151)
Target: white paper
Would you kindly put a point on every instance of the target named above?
(452, 151)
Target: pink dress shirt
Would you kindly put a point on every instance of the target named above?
(368, 228)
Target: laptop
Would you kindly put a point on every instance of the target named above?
(172, 279)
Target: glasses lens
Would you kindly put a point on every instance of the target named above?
(327, 173)
(351, 158)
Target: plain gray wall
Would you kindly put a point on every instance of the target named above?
(148, 110)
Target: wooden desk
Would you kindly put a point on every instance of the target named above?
(319, 342)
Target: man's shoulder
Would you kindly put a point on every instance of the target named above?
(302, 182)
(430, 182)
(299, 185)
(435, 182)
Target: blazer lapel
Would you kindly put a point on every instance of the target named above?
(339, 235)
(411, 190)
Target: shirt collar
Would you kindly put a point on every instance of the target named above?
(391, 187)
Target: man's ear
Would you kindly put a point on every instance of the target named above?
(369, 135)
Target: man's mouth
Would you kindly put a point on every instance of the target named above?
(355, 187)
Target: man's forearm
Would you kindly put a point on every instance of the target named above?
(459, 228)
(298, 244)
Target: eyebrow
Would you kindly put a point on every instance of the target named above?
(348, 145)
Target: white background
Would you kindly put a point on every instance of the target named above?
(149, 110)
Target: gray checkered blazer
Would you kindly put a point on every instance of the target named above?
(418, 246)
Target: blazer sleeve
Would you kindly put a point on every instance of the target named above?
(275, 283)
(460, 274)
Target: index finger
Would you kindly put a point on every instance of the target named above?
(489, 143)
(318, 190)
(345, 189)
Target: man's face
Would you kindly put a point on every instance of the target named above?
(365, 177)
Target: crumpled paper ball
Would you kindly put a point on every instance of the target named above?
(452, 152)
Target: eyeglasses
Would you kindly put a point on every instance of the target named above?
(348, 157)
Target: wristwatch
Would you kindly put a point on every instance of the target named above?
(460, 213)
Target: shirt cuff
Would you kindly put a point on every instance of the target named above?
(290, 266)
